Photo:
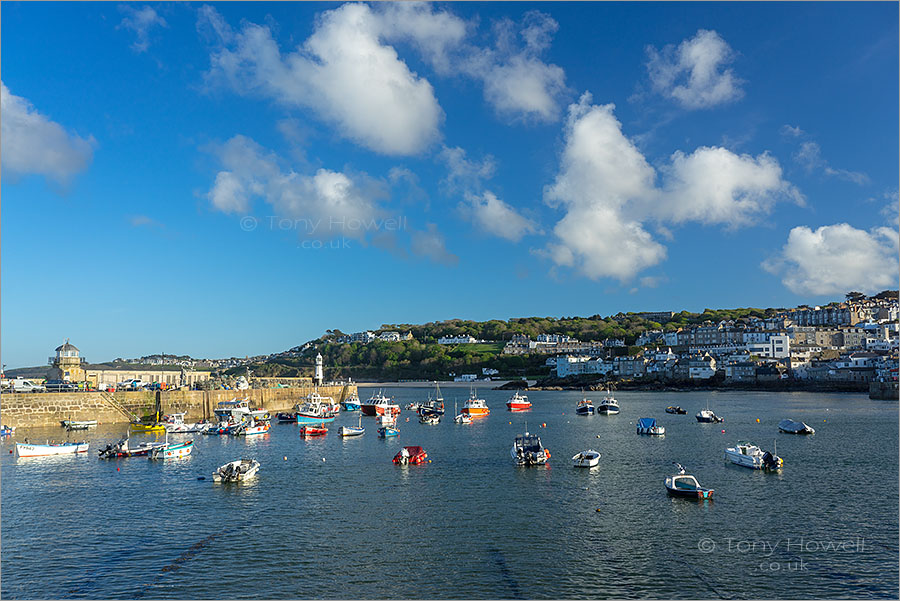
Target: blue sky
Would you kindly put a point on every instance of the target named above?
(170, 171)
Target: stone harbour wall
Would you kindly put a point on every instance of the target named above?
(26, 410)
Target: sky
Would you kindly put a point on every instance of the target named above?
(234, 179)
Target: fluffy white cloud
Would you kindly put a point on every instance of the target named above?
(140, 21)
(837, 258)
(462, 173)
(343, 72)
(497, 217)
(437, 34)
(525, 86)
(694, 73)
(33, 144)
(430, 244)
(609, 190)
(329, 203)
(809, 156)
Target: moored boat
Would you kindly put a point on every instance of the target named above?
(648, 426)
(175, 424)
(353, 430)
(584, 407)
(6, 430)
(27, 449)
(608, 405)
(685, 485)
(518, 402)
(430, 419)
(528, 450)
(387, 431)
(286, 417)
(310, 430)
(475, 407)
(236, 471)
(789, 426)
(173, 450)
(71, 424)
(377, 404)
(675, 409)
(122, 448)
(410, 456)
(315, 410)
(587, 458)
(351, 404)
(706, 416)
(250, 427)
(749, 455)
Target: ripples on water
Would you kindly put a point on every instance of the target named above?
(470, 524)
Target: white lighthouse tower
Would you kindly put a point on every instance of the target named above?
(319, 377)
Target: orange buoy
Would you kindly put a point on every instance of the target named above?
(757, 420)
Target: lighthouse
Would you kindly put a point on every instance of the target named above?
(318, 379)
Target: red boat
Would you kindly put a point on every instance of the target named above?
(310, 430)
(518, 402)
(407, 455)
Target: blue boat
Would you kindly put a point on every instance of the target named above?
(648, 425)
(351, 404)
(386, 431)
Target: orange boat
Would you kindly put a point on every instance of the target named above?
(475, 407)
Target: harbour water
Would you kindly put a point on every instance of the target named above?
(334, 518)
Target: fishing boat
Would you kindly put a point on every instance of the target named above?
(685, 485)
(71, 424)
(584, 407)
(237, 410)
(250, 427)
(236, 471)
(175, 424)
(648, 426)
(351, 404)
(173, 450)
(749, 455)
(27, 449)
(353, 430)
(410, 456)
(789, 426)
(608, 405)
(378, 404)
(587, 458)
(286, 417)
(387, 431)
(219, 429)
(676, 410)
(430, 419)
(310, 430)
(461, 418)
(475, 407)
(706, 416)
(518, 402)
(315, 410)
(528, 450)
(123, 448)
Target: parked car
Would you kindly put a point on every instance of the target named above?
(132, 384)
(22, 385)
(60, 386)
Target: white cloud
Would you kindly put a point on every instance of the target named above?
(525, 86)
(430, 244)
(33, 144)
(791, 131)
(809, 156)
(694, 73)
(464, 174)
(437, 34)
(609, 190)
(497, 217)
(837, 258)
(140, 21)
(343, 72)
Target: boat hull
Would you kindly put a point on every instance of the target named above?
(351, 406)
(345, 431)
(387, 432)
(584, 411)
(45, 450)
(698, 493)
(518, 406)
(308, 418)
(586, 459)
(173, 451)
(608, 409)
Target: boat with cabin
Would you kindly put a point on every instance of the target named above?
(351, 403)
(687, 486)
(518, 402)
(706, 416)
(789, 426)
(750, 455)
(675, 410)
(378, 403)
(27, 449)
(236, 471)
(316, 409)
(475, 407)
(608, 405)
(175, 424)
(587, 458)
(528, 450)
(649, 427)
(584, 407)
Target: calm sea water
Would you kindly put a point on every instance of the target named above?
(334, 518)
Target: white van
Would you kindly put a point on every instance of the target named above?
(22, 385)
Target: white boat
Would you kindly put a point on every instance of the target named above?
(175, 424)
(57, 448)
(685, 485)
(123, 449)
(648, 425)
(789, 426)
(237, 410)
(353, 430)
(173, 450)
(430, 419)
(528, 450)
(378, 404)
(71, 424)
(609, 405)
(587, 458)
(236, 471)
(705, 416)
(249, 427)
(461, 418)
(749, 455)
(386, 419)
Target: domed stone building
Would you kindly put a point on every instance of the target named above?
(67, 363)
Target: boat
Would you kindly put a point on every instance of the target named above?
(70, 424)
(414, 406)
(475, 407)
(315, 410)
(175, 424)
(219, 429)
(386, 419)
(236, 471)
(249, 427)
(286, 417)
(27, 449)
(378, 404)
(173, 450)
(387, 431)
(155, 426)
(587, 458)
(706, 416)
(461, 418)
(518, 402)
(353, 430)
(309, 430)
(584, 407)
(351, 404)
(685, 485)
(237, 410)
(122, 448)
(609, 405)
(528, 450)
(789, 426)
(648, 425)
(749, 455)
(6, 430)
(410, 455)
(430, 418)
(675, 410)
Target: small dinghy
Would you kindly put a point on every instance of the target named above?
(353, 430)
(70, 424)
(410, 455)
(123, 449)
(173, 450)
(675, 410)
(51, 448)
(431, 419)
(587, 458)
(685, 485)
(387, 431)
(286, 417)
(648, 426)
(310, 430)
(789, 426)
(236, 471)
